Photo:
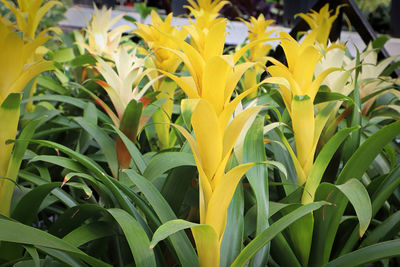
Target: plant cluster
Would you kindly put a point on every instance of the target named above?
(179, 151)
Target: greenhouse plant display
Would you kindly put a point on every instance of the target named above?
(178, 150)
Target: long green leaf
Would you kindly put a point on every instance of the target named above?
(166, 161)
(27, 208)
(387, 229)
(232, 241)
(19, 233)
(100, 174)
(254, 151)
(180, 242)
(136, 237)
(327, 222)
(9, 114)
(106, 143)
(358, 196)
(259, 242)
(322, 162)
(368, 254)
(360, 161)
(385, 190)
(89, 232)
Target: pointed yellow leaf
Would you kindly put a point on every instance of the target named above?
(205, 185)
(214, 82)
(208, 135)
(184, 84)
(234, 78)
(218, 206)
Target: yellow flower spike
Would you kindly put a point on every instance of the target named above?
(321, 22)
(29, 14)
(234, 77)
(19, 65)
(206, 12)
(258, 30)
(299, 95)
(156, 35)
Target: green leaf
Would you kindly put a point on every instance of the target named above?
(386, 189)
(232, 241)
(388, 229)
(360, 161)
(261, 240)
(64, 162)
(22, 234)
(321, 163)
(9, 114)
(368, 254)
(170, 228)
(136, 237)
(180, 241)
(379, 42)
(254, 151)
(358, 196)
(51, 85)
(28, 207)
(83, 60)
(89, 232)
(129, 125)
(34, 254)
(63, 55)
(353, 142)
(97, 171)
(105, 142)
(166, 161)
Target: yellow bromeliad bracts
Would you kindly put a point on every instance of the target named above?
(212, 81)
(28, 15)
(257, 30)
(156, 36)
(302, 59)
(321, 22)
(19, 65)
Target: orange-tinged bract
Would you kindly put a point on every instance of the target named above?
(122, 84)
